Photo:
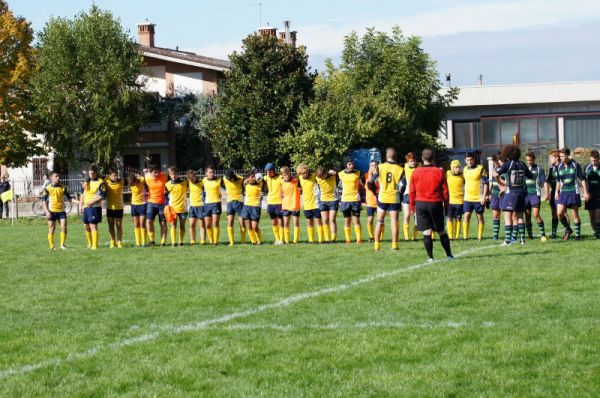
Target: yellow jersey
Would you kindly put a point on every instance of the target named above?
(273, 189)
(408, 172)
(473, 178)
(308, 192)
(389, 177)
(350, 182)
(234, 188)
(114, 194)
(93, 190)
(196, 189)
(138, 192)
(456, 186)
(327, 188)
(54, 195)
(156, 188)
(212, 189)
(291, 195)
(253, 193)
(177, 190)
(370, 197)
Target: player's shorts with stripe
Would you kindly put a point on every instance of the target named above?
(569, 199)
(514, 201)
(234, 207)
(57, 216)
(430, 215)
(274, 211)
(532, 200)
(593, 204)
(350, 209)
(313, 213)
(212, 208)
(251, 213)
(389, 206)
(114, 213)
(138, 210)
(92, 215)
(470, 207)
(495, 202)
(196, 212)
(329, 206)
(455, 211)
(293, 213)
(155, 209)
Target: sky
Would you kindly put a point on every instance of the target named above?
(507, 41)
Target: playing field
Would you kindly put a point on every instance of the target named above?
(300, 320)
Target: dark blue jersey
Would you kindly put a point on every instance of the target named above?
(592, 176)
(516, 174)
(569, 175)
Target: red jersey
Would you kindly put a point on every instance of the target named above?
(428, 184)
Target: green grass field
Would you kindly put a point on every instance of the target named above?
(300, 320)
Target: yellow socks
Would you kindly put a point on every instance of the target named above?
(370, 230)
(51, 241)
(326, 235)
(296, 234)
(242, 234)
(63, 238)
(94, 239)
(466, 230)
(216, 233)
(394, 245)
(457, 227)
(311, 234)
(112, 243)
(377, 245)
(320, 233)
(209, 235)
(252, 235)
(406, 229)
(333, 237)
(151, 237)
(381, 233)
(286, 235)
(163, 240)
(143, 236)
(480, 231)
(230, 235)
(173, 231)
(276, 235)
(138, 235)
(120, 244)
(358, 232)
(88, 237)
(181, 236)
(450, 229)
(348, 234)
(415, 232)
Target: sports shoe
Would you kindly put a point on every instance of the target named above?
(63, 247)
(430, 260)
(450, 257)
(371, 240)
(359, 242)
(522, 242)
(505, 243)
(543, 238)
(348, 242)
(568, 234)
(278, 242)
(577, 237)
(52, 249)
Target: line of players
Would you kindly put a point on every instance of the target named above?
(386, 187)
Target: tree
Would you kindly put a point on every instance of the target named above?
(260, 100)
(87, 99)
(385, 93)
(16, 65)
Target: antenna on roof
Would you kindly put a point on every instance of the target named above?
(259, 5)
(480, 78)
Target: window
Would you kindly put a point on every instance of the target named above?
(466, 134)
(528, 128)
(509, 127)
(40, 169)
(582, 131)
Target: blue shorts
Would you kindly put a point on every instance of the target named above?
(514, 201)
(234, 207)
(114, 213)
(138, 210)
(592, 204)
(92, 215)
(196, 212)
(274, 211)
(389, 206)
(406, 199)
(350, 209)
(329, 206)
(212, 208)
(371, 211)
(455, 212)
(310, 214)
(495, 203)
(153, 210)
(294, 213)
(532, 200)
(182, 216)
(250, 213)
(57, 215)
(477, 207)
(569, 199)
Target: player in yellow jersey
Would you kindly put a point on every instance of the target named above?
(475, 176)
(253, 185)
(350, 206)
(311, 212)
(327, 181)
(176, 190)
(212, 205)
(389, 174)
(290, 204)
(456, 188)
(234, 186)
(196, 210)
(114, 207)
(409, 167)
(272, 185)
(53, 198)
(138, 207)
(371, 199)
(155, 184)
(91, 202)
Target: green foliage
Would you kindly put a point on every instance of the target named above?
(88, 101)
(260, 100)
(385, 93)
(16, 65)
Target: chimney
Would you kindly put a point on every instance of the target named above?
(268, 31)
(293, 36)
(146, 34)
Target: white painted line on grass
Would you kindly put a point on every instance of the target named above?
(351, 326)
(172, 329)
